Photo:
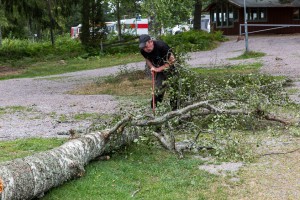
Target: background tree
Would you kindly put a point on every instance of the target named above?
(123, 9)
(51, 21)
(3, 21)
(85, 31)
(197, 14)
(26, 17)
(167, 13)
(93, 24)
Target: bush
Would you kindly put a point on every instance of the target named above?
(65, 47)
(13, 49)
(193, 40)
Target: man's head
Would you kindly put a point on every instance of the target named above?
(146, 43)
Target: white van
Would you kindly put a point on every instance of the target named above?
(205, 23)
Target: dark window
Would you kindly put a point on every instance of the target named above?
(296, 13)
(256, 14)
(224, 15)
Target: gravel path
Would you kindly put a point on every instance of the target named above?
(46, 100)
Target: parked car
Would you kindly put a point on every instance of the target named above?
(180, 28)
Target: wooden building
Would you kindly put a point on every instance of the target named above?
(263, 16)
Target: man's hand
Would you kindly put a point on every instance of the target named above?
(155, 70)
(159, 69)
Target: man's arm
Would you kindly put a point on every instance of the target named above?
(149, 63)
(167, 64)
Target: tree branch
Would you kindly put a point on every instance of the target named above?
(170, 115)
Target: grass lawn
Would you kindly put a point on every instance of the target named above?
(142, 172)
(31, 68)
(10, 150)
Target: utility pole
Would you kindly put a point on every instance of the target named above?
(119, 20)
(246, 27)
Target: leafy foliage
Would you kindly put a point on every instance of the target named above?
(193, 41)
(14, 49)
(32, 17)
(249, 93)
(167, 13)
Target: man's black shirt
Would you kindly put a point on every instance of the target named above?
(160, 54)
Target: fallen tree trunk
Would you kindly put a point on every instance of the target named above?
(30, 177)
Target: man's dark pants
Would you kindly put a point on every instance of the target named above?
(161, 86)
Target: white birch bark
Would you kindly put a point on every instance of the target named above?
(30, 177)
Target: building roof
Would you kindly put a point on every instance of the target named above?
(266, 3)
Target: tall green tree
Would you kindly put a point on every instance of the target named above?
(85, 30)
(167, 13)
(51, 21)
(3, 21)
(93, 24)
(34, 15)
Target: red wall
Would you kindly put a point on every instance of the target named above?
(274, 16)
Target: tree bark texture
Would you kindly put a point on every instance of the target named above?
(30, 177)
(197, 14)
(85, 19)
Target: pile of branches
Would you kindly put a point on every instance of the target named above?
(209, 104)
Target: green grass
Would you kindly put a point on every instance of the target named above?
(292, 91)
(139, 171)
(248, 55)
(142, 172)
(234, 69)
(53, 66)
(23, 147)
(14, 109)
(86, 116)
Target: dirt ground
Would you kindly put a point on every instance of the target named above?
(4, 71)
(275, 175)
